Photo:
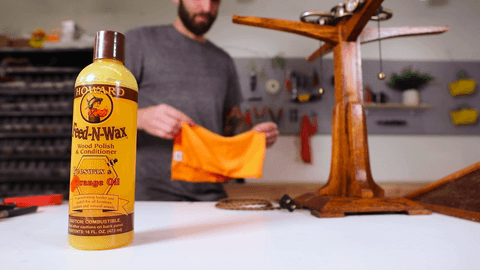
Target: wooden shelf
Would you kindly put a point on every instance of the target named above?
(396, 106)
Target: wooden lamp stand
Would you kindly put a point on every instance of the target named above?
(350, 187)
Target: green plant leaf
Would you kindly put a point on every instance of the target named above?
(408, 80)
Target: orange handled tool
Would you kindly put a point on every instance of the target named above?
(248, 117)
(307, 130)
(40, 200)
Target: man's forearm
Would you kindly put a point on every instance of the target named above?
(141, 119)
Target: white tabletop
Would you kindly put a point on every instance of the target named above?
(199, 236)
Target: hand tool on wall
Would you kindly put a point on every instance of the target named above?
(277, 118)
(253, 80)
(307, 130)
(368, 94)
(296, 81)
(392, 122)
(248, 117)
(315, 78)
(257, 114)
(288, 81)
(382, 97)
(308, 97)
(255, 99)
(294, 115)
(272, 87)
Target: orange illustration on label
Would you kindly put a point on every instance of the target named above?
(96, 108)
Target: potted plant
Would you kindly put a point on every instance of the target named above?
(409, 82)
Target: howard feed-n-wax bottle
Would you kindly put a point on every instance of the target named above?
(104, 137)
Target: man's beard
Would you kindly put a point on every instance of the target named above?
(189, 21)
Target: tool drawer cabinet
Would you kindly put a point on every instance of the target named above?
(36, 96)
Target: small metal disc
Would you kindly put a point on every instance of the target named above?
(381, 75)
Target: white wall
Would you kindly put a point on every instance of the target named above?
(460, 43)
(393, 158)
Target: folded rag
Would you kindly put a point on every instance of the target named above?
(200, 155)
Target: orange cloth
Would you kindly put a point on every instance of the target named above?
(200, 155)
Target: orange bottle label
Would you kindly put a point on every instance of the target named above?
(102, 172)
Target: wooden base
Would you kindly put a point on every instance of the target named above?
(334, 206)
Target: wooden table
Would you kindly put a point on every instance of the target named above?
(182, 235)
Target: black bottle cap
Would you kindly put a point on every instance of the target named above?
(109, 44)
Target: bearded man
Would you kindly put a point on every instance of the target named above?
(182, 76)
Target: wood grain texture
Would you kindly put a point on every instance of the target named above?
(453, 212)
(455, 195)
(361, 182)
(348, 72)
(350, 173)
(452, 177)
(354, 26)
(333, 206)
(349, 29)
(337, 179)
(321, 32)
(371, 34)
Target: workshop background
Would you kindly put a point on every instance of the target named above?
(412, 145)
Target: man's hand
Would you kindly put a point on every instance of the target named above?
(271, 132)
(162, 120)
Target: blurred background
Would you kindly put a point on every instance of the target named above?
(407, 146)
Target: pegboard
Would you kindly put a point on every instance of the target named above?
(434, 120)
(288, 124)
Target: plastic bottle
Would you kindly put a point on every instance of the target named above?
(104, 134)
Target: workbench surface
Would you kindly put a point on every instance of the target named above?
(183, 235)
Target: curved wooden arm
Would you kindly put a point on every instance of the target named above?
(326, 48)
(354, 26)
(320, 32)
(371, 34)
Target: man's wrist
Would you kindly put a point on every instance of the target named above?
(140, 117)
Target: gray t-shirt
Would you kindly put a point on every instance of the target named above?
(196, 78)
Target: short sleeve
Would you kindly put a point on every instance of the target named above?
(133, 54)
